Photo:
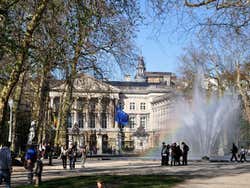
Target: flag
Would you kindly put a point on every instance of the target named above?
(55, 122)
(121, 117)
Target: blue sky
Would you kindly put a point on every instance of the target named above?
(161, 44)
(160, 52)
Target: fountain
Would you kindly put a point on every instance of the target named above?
(208, 125)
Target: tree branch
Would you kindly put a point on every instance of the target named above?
(198, 4)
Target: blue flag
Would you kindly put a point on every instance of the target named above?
(121, 117)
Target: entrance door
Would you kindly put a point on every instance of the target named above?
(105, 143)
(92, 144)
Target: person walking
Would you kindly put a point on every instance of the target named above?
(38, 170)
(30, 159)
(84, 155)
(243, 154)
(64, 153)
(71, 156)
(49, 151)
(185, 150)
(234, 151)
(5, 164)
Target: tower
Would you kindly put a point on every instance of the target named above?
(140, 70)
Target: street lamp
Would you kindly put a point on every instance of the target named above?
(10, 124)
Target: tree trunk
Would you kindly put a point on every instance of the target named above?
(62, 132)
(243, 94)
(16, 109)
(21, 58)
(42, 100)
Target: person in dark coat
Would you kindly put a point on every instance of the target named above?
(185, 150)
(38, 170)
(234, 151)
(178, 154)
(164, 154)
(173, 154)
(5, 164)
(49, 151)
(72, 156)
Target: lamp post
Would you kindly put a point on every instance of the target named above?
(10, 125)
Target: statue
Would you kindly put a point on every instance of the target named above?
(31, 132)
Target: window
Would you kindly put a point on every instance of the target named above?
(80, 119)
(143, 121)
(132, 106)
(143, 106)
(70, 120)
(132, 122)
(92, 120)
(104, 120)
(92, 105)
(56, 103)
(80, 103)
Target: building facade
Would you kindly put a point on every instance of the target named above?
(92, 119)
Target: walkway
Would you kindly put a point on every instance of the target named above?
(196, 174)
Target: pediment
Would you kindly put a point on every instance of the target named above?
(86, 83)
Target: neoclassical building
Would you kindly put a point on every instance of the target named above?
(92, 120)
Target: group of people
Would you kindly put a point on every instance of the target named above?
(32, 161)
(71, 153)
(174, 152)
(241, 154)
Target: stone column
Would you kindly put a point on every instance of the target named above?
(99, 143)
(98, 113)
(115, 105)
(87, 113)
(75, 111)
(110, 115)
(51, 102)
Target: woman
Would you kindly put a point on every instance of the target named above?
(64, 153)
(84, 155)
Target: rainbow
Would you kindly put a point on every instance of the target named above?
(167, 136)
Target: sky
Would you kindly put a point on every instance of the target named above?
(160, 44)
(160, 52)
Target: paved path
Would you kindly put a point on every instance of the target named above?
(196, 174)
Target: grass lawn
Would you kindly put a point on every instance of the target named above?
(131, 181)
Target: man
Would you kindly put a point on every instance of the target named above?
(71, 155)
(173, 148)
(38, 170)
(163, 154)
(5, 164)
(234, 151)
(30, 159)
(49, 150)
(185, 150)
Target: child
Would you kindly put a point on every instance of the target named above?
(38, 170)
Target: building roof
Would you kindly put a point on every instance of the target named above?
(128, 83)
(158, 73)
(139, 87)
